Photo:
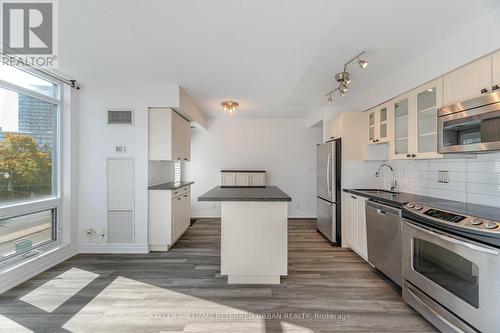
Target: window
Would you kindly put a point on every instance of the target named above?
(29, 155)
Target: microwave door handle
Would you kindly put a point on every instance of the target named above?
(456, 241)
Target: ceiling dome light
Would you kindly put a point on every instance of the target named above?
(362, 63)
(330, 100)
(229, 106)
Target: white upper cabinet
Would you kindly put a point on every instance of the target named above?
(496, 71)
(468, 82)
(428, 99)
(402, 119)
(169, 136)
(414, 119)
(378, 124)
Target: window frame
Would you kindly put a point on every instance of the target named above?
(37, 205)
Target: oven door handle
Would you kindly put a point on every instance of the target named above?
(455, 240)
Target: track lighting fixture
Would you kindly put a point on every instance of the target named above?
(362, 63)
(344, 78)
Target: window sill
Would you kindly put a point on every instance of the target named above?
(13, 273)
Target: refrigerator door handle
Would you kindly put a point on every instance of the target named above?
(328, 175)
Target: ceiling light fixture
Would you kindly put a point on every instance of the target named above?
(229, 106)
(344, 78)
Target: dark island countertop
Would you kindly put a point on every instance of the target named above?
(170, 186)
(264, 193)
(243, 171)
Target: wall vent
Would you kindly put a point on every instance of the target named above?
(120, 116)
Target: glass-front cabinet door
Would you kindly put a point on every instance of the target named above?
(371, 126)
(400, 146)
(428, 100)
(383, 124)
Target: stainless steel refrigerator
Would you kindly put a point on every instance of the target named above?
(328, 190)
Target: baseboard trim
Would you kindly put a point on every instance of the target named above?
(114, 248)
(26, 270)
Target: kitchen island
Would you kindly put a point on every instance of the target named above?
(254, 227)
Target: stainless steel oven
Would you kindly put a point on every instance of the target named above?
(470, 126)
(451, 280)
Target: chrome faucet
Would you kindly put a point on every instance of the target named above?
(394, 181)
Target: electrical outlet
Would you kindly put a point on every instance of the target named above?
(442, 176)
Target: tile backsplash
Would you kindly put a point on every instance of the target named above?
(475, 180)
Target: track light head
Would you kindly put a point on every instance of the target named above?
(362, 63)
(342, 77)
(343, 89)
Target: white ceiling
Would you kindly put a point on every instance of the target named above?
(276, 57)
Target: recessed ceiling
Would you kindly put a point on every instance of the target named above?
(276, 58)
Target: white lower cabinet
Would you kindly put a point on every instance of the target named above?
(354, 214)
(169, 217)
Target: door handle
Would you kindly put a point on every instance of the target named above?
(328, 174)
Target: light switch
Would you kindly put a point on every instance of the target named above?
(442, 176)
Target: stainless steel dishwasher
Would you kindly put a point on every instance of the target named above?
(383, 232)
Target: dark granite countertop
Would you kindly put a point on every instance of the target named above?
(399, 199)
(264, 193)
(170, 186)
(396, 199)
(242, 170)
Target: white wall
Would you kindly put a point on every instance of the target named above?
(285, 148)
(97, 142)
(474, 180)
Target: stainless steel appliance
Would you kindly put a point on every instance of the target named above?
(383, 231)
(451, 265)
(470, 126)
(328, 190)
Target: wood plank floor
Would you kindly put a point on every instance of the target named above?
(327, 290)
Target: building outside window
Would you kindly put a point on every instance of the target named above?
(30, 107)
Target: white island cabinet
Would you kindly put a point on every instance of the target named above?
(243, 177)
(254, 233)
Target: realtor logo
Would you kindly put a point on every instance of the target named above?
(29, 31)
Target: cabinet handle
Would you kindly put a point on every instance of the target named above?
(185, 159)
(176, 192)
(408, 155)
(353, 197)
(495, 87)
(413, 155)
(332, 137)
(185, 196)
(484, 91)
(179, 198)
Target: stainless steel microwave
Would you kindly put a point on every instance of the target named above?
(470, 126)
